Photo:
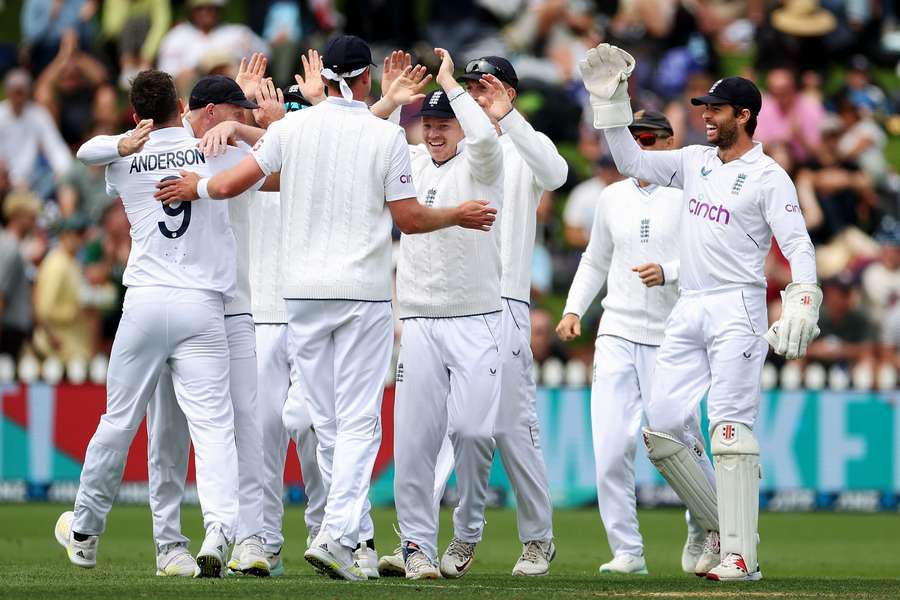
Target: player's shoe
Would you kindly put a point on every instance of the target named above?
(711, 555)
(175, 560)
(733, 568)
(392, 565)
(692, 551)
(417, 565)
(457, 559)
(211, 558)
(276, 565)
(82, 554)
(535, 559)
(334, 559)
(234, 561)
(251, 558)
(367, 559)
(625, 564)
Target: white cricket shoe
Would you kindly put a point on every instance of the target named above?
(692, 551)
(334, 559)
(211, 558)
(81, 554)
(711, 555)
(175, 560)
(457, 559)
(733, 568)
(535, 559)
(419, 566)
(367, 560)
(625, 564)
(251, 558)
(392, 565)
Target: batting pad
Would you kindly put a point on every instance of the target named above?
(736, 458)
(678, 465)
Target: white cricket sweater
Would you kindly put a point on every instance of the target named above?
(531, 165)
(632, 226)
(340, 165)
(265, 258)
(455, 272)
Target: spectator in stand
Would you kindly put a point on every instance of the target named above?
(74, 89)
(27, 130)
(105, 258)
(62, 329)
(862, 141)
(890, 338)
(846, 336)
(687, 120)
(881, 279)
(82, 190)
(861, 91)
(789, 117)
(544, 341)
(137, 27)
(795, 34)
(45, 21)
(578, 215)
(185, 45)
(20, 212)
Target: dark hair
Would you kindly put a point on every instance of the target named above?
(750, 127)
(153, 96)
(351, 81)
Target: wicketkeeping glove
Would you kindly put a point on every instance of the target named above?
(798, 325)
(605, 71)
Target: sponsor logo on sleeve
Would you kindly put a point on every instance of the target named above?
(406, 178)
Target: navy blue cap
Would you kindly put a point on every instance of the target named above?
(497, 66)
(735, 91)
(218, 89)
(345, 53)
(436, 104)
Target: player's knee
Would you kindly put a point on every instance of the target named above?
(113, 437)
(731, 437)
(360, 426)
(473, 432)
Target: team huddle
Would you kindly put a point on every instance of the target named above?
(260, 308)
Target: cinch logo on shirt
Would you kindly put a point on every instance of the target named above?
(405, 178)
(166, 160)
(707, 211)
(792, 208)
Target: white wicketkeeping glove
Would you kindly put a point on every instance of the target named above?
(605, 71)
(798, 325)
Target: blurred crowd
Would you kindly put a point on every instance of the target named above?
(829, 71)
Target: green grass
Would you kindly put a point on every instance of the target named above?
(803, 556)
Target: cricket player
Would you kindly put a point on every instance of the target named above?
(735, 199)
(449, 365)
(633, 249)
(337, 271)
(214, 99)
(180, 274)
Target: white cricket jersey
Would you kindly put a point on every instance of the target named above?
(730, 211)
(340, 166)
(632, 226)
(189, 245)
(265, 258)
(531, 165)
(455, 272)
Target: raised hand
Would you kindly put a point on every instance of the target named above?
(445, 73)
(134, 141)
(476, 214)
(495, 101)
(217, 139)
(409, 86)
(250, 73)
(311, 85)
(605, 71)
(394, 64)
(271, 104)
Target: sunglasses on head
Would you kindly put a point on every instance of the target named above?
(648, 138)
(294, 106)
(483, 67)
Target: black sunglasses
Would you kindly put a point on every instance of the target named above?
(648, 138)
(483, 67)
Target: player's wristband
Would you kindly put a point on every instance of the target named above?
(202, 185)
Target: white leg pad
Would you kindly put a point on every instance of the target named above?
(736, 457)
(677, 463)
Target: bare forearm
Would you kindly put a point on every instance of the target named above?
(431, 219)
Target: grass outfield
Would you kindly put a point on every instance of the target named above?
(828, 555)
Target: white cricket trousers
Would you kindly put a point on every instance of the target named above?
(168, 442)
(186, 330)
(276, 384)
(620, 391)
(713, 343)
(448, 380)
(342, 352)
(517, 430)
